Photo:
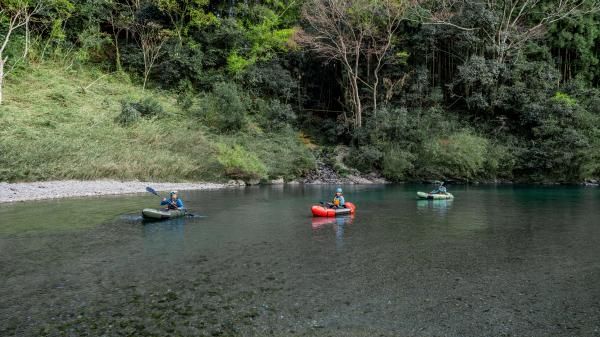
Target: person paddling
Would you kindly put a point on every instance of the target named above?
(173, 202)
(441, 189)
(338, 199)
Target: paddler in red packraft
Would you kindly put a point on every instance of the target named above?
(338, 206)
(338, 200)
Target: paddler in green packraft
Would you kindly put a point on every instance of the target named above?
(441, 189)
(173, 202)
(338, 200)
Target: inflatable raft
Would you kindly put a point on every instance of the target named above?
(437, 196)
(319, 210)
(160, 214)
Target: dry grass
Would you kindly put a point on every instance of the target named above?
(52, 129)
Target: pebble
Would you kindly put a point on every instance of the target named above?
(12, 192)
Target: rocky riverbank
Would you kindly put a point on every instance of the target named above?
(325, 174)
(12, 192)
(15, 192)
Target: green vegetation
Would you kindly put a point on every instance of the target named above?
(50, 128)
(200, 89)
(238, 163)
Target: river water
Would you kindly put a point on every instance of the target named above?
(496, 261)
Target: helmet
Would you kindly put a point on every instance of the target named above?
(173, 192)
(338, 190)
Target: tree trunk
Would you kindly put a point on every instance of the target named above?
(355, 79)
(117, 49)
(118, 58)
(357, 102)
(1, 77)
(375, 84)
(146, 73)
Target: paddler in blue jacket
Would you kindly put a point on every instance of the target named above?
(338, 199)
(173, 202)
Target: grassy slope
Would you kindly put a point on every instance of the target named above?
(51, 129)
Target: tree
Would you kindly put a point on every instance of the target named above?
(574, 44)
(508, 25)
(151, 37)
(121, 18)
(354, 33)
(522, 21)
(16, 14)
(265, 34)
(184, 14)
(389, 14)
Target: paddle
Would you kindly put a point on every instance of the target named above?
(328, 204)
(153, 191)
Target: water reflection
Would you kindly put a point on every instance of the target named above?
(338, 223)
(440, 207)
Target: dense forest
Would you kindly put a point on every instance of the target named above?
(472, 90)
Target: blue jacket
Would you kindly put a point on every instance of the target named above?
(178, 202)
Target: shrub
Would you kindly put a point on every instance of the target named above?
(461, 155)
(240, 164)
(181, 64)
(270, 80)
(561, 143)
(185, 96)
(561, 97)
(283, 153)
(302, 164)
(225, 108)
(365, 158)
(149, 108)
(397, 164)
(131, 110)
(129, 114)
(500, 161)
(591, 169)
(279, 115)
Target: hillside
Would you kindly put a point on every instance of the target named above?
(61, 124)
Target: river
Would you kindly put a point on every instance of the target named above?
(495, 261)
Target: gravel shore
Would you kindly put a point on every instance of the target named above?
(12, 192)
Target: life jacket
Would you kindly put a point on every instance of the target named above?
(336, 201)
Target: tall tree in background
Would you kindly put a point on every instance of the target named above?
(150, 37)
(521, 21)
(574, 43)
(121, 17)
(506, 26)
(354, 33)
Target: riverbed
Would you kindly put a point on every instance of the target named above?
(495, 261)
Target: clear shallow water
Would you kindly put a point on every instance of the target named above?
(522, 261)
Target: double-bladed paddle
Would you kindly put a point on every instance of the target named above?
(153, 191)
